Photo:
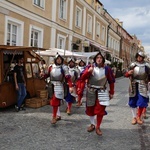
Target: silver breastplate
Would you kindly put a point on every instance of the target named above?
(81, 68)
(72, 74)
(56, 73)
(139, 72)
(98, 78)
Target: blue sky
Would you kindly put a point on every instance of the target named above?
(135, 15)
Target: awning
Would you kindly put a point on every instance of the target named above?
(8, 52)
(19, 48)
(105, 49)
(53, 51)
(120, 60)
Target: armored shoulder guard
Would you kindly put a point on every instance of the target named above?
(65, 69)
(132, 65)
(147, 65)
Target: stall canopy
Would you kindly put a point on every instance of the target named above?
(53, 51)
(49, 54)
(90, 55)
(66, 53)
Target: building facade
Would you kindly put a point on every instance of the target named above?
(75, 25)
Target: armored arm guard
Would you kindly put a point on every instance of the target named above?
(148, 70)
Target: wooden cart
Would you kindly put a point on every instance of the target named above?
(8, 55)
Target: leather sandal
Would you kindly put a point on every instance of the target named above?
(139, 121)
(98, 132)
(91, 128)
(68, 112)
(58, 118)
(53, 121)
(78, 104)
(134, 121)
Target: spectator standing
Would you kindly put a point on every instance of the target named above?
(20, 83)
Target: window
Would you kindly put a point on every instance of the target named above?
(39, 3)
(61, 42)
(11, 34)
(63, 9)
(98, 29)
(98, 9)
(14, 32)
(89, 24)
(93, 3)
(36, 37)
(78, 17)
(103, 33)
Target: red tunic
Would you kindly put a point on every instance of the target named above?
(80, 85)
(99, 109)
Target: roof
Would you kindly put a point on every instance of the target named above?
(19, 48)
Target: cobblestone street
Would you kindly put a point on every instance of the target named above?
(31, 129)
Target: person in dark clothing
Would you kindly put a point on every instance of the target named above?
(20, 83)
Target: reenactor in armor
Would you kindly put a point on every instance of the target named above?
(139, 75)
(80, 85)
(98, 96)
(74, 73)
(58, 73)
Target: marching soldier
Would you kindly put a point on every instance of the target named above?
(98, 96)
(58, 73)
(80, 83)
(74, 73)
(139, 74)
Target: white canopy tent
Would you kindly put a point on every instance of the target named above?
(49, 54)
(89, 55)
(53, 51)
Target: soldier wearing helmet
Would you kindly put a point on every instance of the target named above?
(74, 73)
(58, 73)
(139, 75)
(97, 96)
(80, 85)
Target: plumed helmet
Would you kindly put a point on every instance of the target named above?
(58, 55)
(70, 59)
(140, 53)
(99, 53)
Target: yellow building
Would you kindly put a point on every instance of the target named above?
(76, 25)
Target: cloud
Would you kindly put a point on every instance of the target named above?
(135, 15)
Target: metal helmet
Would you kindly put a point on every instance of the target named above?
(99, 53)
(141, 53)
(81, 60)
(71, 59)
(58, 55)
